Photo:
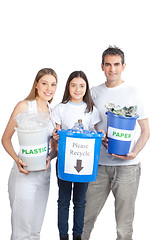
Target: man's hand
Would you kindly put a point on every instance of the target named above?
(128, 156)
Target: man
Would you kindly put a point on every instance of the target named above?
(119, 174)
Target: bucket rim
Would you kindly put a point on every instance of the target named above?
(119, 116)
(75, 134)
(30, 131)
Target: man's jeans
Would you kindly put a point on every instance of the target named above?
(123, 181)
(79, 192)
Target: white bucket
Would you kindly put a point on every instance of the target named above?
(33, 148)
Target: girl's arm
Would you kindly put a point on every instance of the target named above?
(54, 145)
(55, 134)
(104, 134)
(53, 153)
(8, 133)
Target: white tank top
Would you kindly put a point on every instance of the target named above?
(32, 107)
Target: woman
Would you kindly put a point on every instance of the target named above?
(28, 191)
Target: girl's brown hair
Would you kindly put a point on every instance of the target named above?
(87, 97)
(33, 93)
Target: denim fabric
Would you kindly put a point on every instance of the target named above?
(65, 191)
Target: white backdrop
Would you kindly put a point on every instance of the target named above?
(71, 35)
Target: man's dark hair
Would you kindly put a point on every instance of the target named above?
(113, 51)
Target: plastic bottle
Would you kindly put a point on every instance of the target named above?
(92, 129)
(81, 126)
(78, 126)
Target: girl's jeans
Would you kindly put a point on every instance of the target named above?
(79, 192)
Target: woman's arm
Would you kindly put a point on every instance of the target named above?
(8, 133)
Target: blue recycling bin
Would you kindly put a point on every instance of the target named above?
(120, 132)
(78, 155)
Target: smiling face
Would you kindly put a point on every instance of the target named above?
(46, 87)
(112, 69)
(77, 89)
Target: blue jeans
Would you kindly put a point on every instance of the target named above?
(79, 192)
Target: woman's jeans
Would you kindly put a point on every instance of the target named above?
(79, 192)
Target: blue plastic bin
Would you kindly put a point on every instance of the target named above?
(78, 155)
(120, 131)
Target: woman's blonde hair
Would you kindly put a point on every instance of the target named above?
(33, 93)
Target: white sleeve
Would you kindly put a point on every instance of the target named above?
(56, 114)
(95, 118)
(93, 95)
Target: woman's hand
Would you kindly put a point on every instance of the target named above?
(20, 165)
(48, 161)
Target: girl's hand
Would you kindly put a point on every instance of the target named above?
(20, 165)
(104, 134)
(55, 135)
(105, 141)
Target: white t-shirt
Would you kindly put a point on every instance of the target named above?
(123, 95)
(68, 114)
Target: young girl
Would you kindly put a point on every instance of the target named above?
(28, 191)
(76, 104)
